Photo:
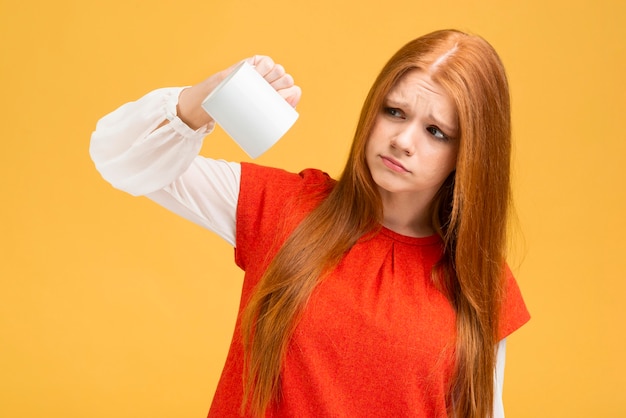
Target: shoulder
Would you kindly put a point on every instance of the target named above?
(272, 202)
(263, 186)
(259, 176)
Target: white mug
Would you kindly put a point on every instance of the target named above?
(248, 108)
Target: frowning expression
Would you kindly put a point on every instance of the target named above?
(414, 143)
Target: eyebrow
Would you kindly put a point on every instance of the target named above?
(395, 102)
(444, 126)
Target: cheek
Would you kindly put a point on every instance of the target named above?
(377, 141)
(444, 162)
(369, 156)
(370, 151)
(370, 147)
(377, 132)
(449, 155)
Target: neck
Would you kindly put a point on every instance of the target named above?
(407, 214)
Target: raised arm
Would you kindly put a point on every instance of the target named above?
(150, 147)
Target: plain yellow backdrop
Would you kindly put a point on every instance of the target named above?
(112, 307)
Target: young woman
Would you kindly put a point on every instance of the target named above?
(384, 293)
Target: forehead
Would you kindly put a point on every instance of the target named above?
(416, 84)
(416, 90)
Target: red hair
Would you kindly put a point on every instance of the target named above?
(469, 213)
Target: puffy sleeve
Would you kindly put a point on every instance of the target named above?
(134, 153)
(136, 157)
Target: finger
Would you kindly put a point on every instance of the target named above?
(292, 95)
(277, 77)
(263, 64)
(275, 73)
(284, 82)
(253, 60)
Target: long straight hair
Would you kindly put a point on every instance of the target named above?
(469, 213)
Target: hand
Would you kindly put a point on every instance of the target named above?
(189, 108)
(277, 77)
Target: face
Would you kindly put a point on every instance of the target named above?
(414, 143)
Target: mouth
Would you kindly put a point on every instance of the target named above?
(393, 165)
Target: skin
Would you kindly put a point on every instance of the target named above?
(411, 151)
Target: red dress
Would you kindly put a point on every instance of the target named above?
(376, 338)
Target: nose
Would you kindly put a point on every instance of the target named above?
(405, 140)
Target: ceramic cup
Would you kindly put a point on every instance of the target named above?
(251, 112)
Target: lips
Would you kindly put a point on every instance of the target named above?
(393, 164)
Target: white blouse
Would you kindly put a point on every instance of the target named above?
(137, 156)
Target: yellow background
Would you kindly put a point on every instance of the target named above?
(112, 307)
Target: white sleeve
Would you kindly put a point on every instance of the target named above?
(498, 380)
(163, 164)
(206, 194)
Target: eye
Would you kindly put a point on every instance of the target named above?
(437, 133)
(394, 112)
